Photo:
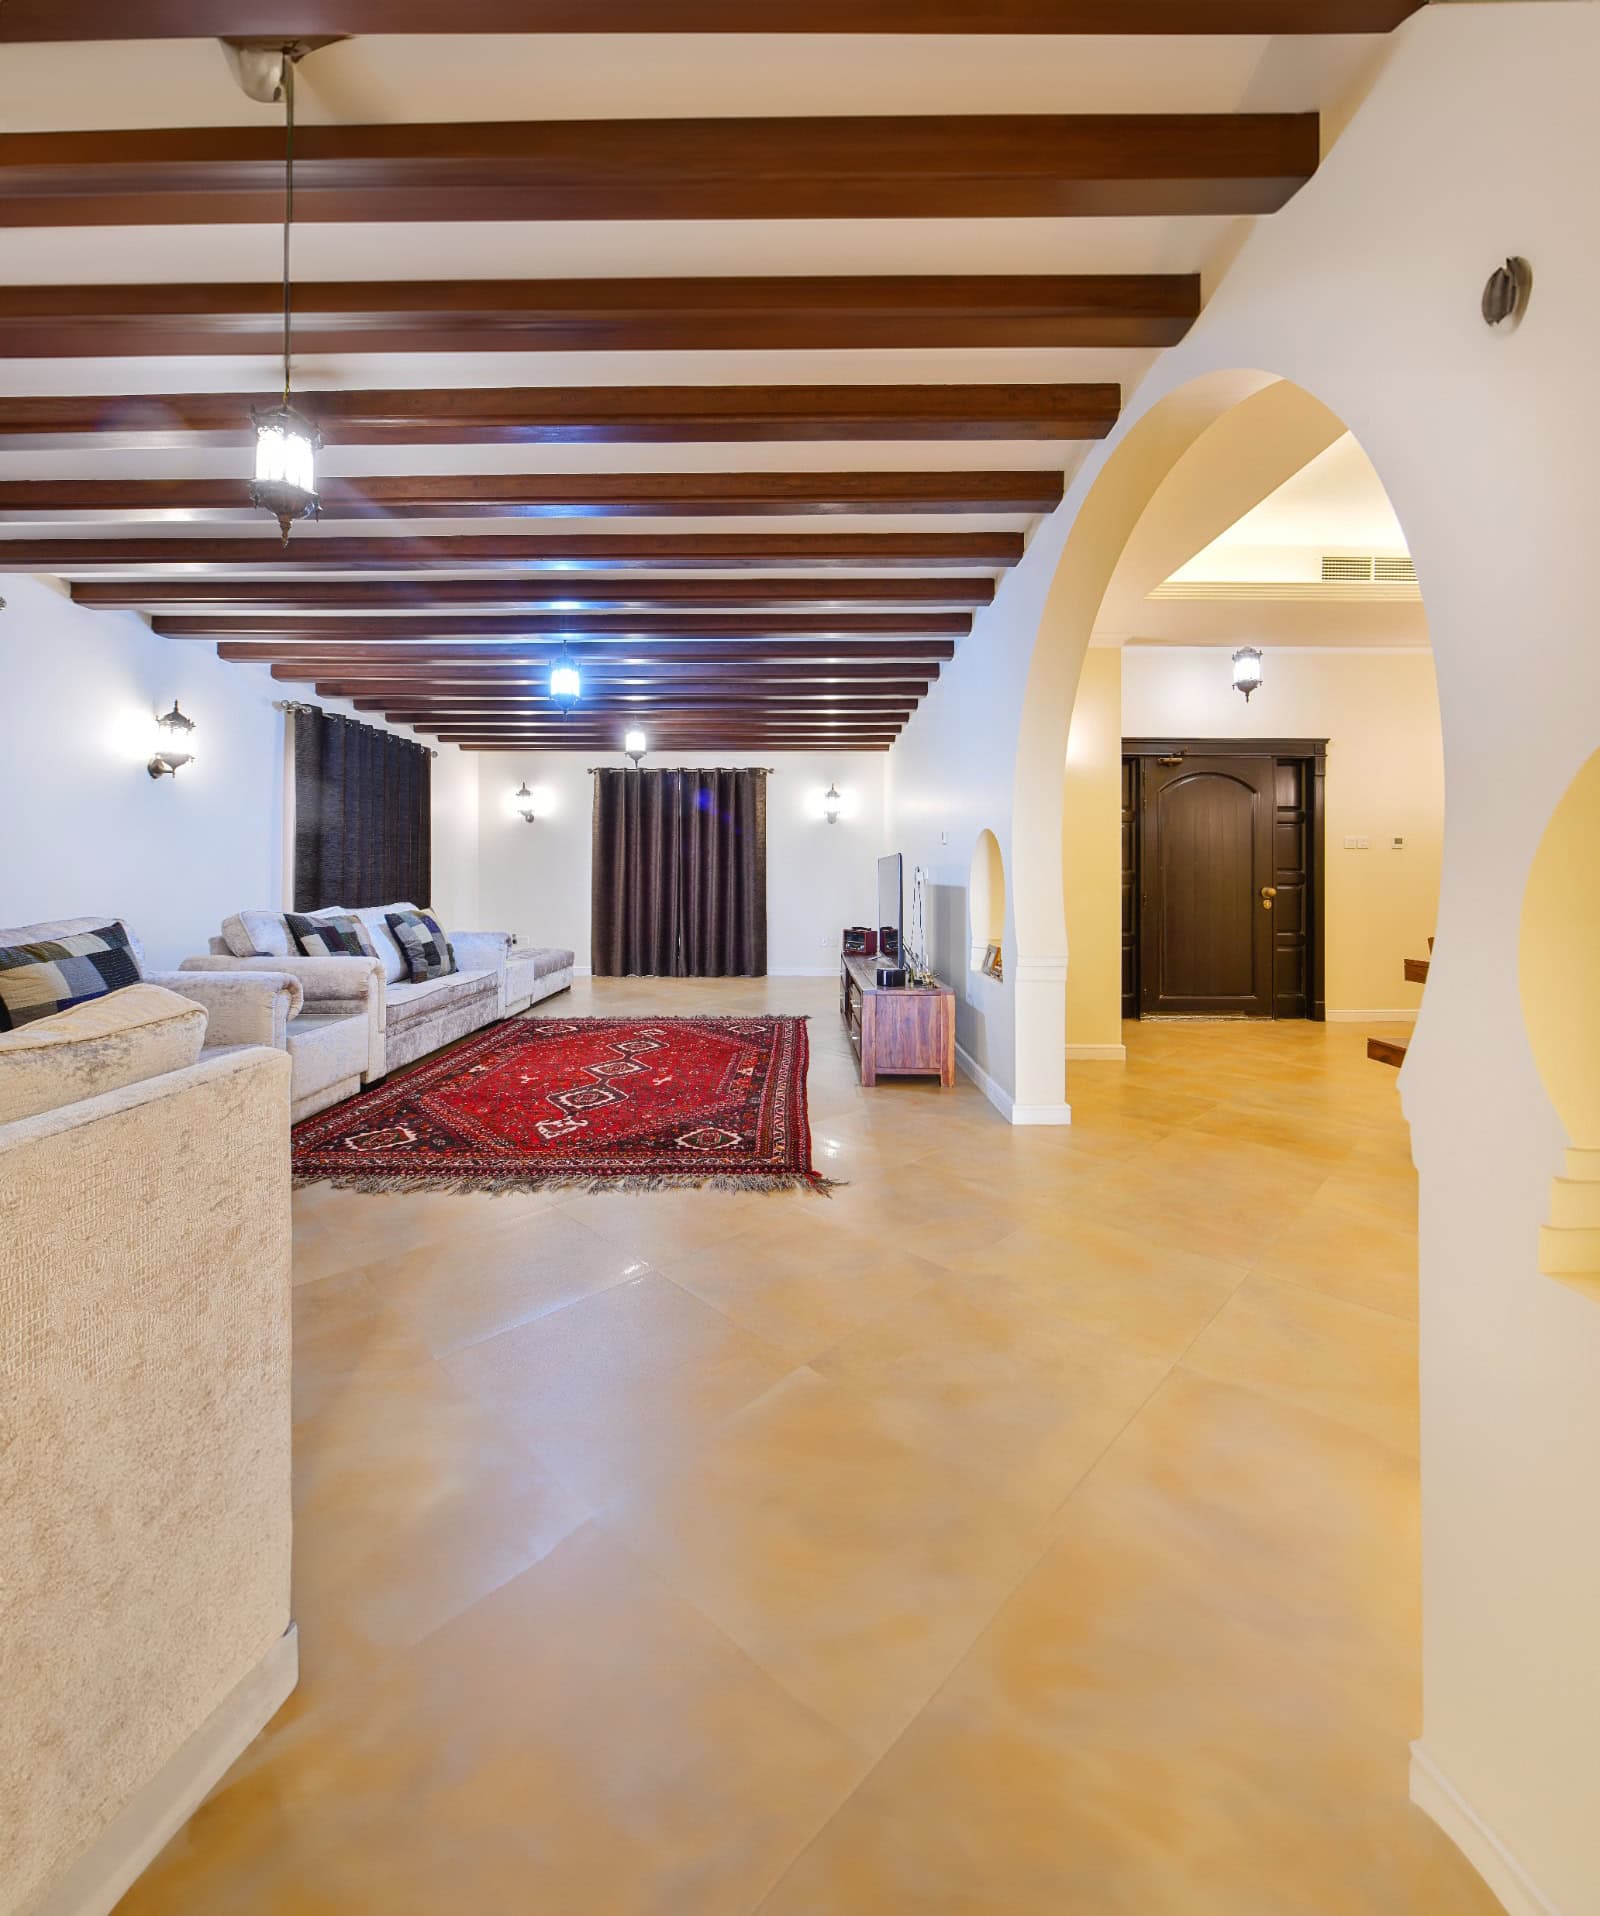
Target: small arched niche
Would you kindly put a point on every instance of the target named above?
(986, 906)
(1560, 936)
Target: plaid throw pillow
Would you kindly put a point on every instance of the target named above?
(38, 980)
(335, 934)
(427, 950)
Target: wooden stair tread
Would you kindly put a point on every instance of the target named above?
(1416, 971)
(1385, 1051)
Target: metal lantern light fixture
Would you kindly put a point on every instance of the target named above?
(566, 681)
(635, 744)
(832, 800)
(1247, 670)
(522, 804)
(287, 444)
(175, 735)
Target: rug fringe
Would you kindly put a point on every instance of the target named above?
(515, 1183)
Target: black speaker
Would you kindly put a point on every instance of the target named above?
(891, 978)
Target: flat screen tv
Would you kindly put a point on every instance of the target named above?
(891, 899)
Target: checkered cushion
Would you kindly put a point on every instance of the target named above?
(427, 950)
(333, 934)
(52, 975)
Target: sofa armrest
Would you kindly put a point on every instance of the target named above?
(359, 981)
(318, 978)
(241, 1007)
(480, 950)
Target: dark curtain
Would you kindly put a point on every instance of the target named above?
(362, 815)
(680, 873)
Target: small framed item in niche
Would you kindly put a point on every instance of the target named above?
(993, 963)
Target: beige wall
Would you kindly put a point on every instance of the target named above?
(1091, 859)
(1379, 712)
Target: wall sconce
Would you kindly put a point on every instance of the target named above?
(635, 744)
(1246, 670)
(174, 734)
(522, 804)
(832, 800)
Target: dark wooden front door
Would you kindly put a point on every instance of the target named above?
(1207, 886)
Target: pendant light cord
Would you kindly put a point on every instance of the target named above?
(288, 201)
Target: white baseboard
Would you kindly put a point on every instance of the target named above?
(1004, 1103)
(102, 1874)
(1408, 1017)
(1436, 1796)
(1097, 1053)
(803, 971)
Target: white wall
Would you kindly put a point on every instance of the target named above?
(88, 830)
(1365, 290)
(1379, 712)
(820, 877)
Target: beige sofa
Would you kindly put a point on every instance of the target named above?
(144, 1434)
(495, 978)
(327, 1020)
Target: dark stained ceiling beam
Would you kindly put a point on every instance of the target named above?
(711, 741)
(923, 634)
(533, 681)
(953, 166)
(619, 495)
(573, 600)
(592, 415)
(22, 20)
(518, 551)
(603, 315)
(809, 652)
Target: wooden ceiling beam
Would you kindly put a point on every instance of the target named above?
(911, 166)
(732, 656)
(901, 311)
(24, 20)
(519, 495)
(797, 631)
(588, 415)
(573, 600)
(518, 551)
(537, 672)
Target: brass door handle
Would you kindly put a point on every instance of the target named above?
(1268, 893)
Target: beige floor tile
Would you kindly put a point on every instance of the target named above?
(1153, 1298)
(1005, 1393)
(344, 1331)
(1321, 1353)
(800, 1289)
(1364, 1256)
(619, 1384)
(582, 1741)
(411, 1502)
(1196, 1705)
(854, 1567)
(513, 1270)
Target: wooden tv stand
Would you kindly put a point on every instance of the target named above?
(901, 1033)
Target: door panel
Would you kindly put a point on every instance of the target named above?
(1130, 888)
(1207, 942)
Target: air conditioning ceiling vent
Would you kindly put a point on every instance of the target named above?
(1337, 570)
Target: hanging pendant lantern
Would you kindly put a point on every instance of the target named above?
(1246, 670)
(566, 681)
(287, 444)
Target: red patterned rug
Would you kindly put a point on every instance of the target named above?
(596, 1104)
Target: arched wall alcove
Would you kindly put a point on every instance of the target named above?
(1484, 442)
(1559, 968)
(986, 900)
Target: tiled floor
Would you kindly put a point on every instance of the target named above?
(1028, 1530)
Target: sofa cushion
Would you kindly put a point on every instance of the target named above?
(330, 934)
(121, 1038)
(422, 939)
(47, 975)
(375, 918)
(257, 934)
(549, 959)
(64, 927)
(405, 1004)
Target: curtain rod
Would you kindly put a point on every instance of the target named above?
(771, 770)
(299, 705)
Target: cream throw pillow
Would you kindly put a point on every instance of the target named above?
(142, 1031)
